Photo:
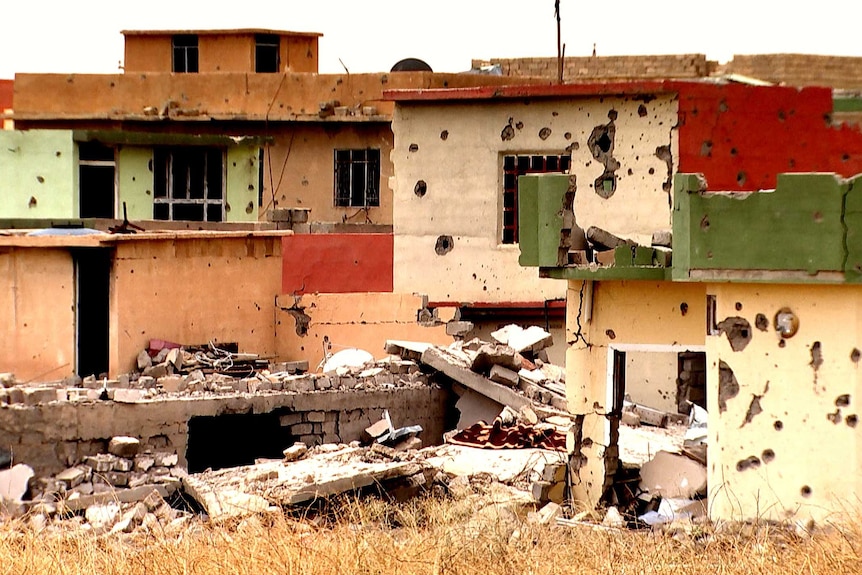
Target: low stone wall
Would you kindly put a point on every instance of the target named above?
(51, 436)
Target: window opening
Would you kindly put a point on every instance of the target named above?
(266, 57)
(188, 184)
(185, 53)
(96, 180)
(514, 166)
(357, 178)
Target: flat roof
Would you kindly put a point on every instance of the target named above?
(537, 91)
(210, 32)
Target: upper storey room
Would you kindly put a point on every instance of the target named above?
(199, 51)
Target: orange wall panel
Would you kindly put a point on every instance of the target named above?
(336, 263)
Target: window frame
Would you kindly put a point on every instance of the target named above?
(86, 163)
(185, 54)
(166, 185)
(347, 164)
(266, 43)
(509, 186)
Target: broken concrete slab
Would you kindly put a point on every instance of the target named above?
(124, 446)
(411, 350)
(604, 240)
(674, 476)
(108, 495)
(532, 339)
(459, 329)
(489, 355)
(502, 375)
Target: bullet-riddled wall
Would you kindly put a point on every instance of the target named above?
(448, 199)
(38, 174)
(784, 411)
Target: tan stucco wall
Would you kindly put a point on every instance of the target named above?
(37, 313)
(464, 178)
(651, 379)
(192, 291)
(805, 439)
(344, 320)
(617, 314)
(307, 178)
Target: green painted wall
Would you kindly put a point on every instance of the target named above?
(242, 183)
(135, 177)
(540, 218)
(38, 174)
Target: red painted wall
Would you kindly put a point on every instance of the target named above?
(336, 263)
(741, 136)
(6, 90)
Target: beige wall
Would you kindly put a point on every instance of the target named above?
(631, 316)
(361, 320)
(799, 456)
(651, 379)
(193, 290)
(463, 173)
(300, 166)
(37, 313)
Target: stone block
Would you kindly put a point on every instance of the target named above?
(124, 446)
(157, 370)
(329, 428)
(144, 462)
(100, 463)
(16, 395)
(315, 416)
(37, 395)
(123, 464)
(500, 374)
(73, 476)
(322, 383)
(301, 429)
(305, 384)
(165, 459)
(289, 419)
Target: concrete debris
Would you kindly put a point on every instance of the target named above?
(674, 476)
(613, 518)
(294, 452)
(602, 240)
(670, 510)
(123, 446)
(500, 374)
(14, 482)
(531, 339)
(350, 357)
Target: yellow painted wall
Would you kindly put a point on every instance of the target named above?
(651, 379)
(37, 313)
(362, 320)
(605, 314)
(799, 457)
(464, 177)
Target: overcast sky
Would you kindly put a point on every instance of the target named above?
(371, 35)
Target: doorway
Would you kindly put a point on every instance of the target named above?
(92, 302)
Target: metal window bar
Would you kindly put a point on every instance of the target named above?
(357, 178)
(518, 165)
(183, 170)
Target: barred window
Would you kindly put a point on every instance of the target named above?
(188, 184)
(357, 178)
(514, 166)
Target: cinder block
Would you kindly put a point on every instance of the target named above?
(315, 416)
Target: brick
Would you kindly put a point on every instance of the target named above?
(289, 419)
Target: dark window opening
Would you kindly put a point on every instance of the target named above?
(96, 180)
(266, 58)
(514, 166)
(357, 178)
(235, 439)
(185, 53)
(92, 288)
(188, 184)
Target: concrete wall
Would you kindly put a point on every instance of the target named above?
(607, 68)
(37, 313)
(192, 290)
(38, 174)
(299, 169)
(629, 316)
(310, 325)
(651, 379)
(51, 436)
(464, 178)
(784, 440)
(135, 178)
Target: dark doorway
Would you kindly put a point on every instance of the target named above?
(235, 439)
(92, 290)
(96, 180)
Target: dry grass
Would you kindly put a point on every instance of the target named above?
(427, 536)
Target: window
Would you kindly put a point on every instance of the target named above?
(514, 166)
(188, 184)
(185, 53)
(266, 53)
(96, 180)
(357, 178)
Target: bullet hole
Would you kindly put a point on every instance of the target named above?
(748, 463)
(545, 133)
(420, 188)
(855, 355)
(148, 192)
(413, 148)
(250, 187)
(663, 154)
(508, 131)
(738, 332)
(781, 116)
(791, 163)
(249, 208)
(40, 179)
(778, 425)
(567, 135)
(733, 152)
(519, 125)
(610, 333)
(706, 149)
(818, 217)
(227, 206)
(768, 456)
(722, 106)
(816, 356)
(683, 308)
(651, 171)
(642, 111)
(58, 153)
(728, 387)
(845, 157)
(842, 400)
(740, 178)
(805, 491)
(150, 165)
(738, 306)
(630, 172)
(555, 113)
(601, 145)
(851, 420)
(444, 245)
(761, 323)
(834, 417)
(754, 409)
(444, 135)
(782, 343)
